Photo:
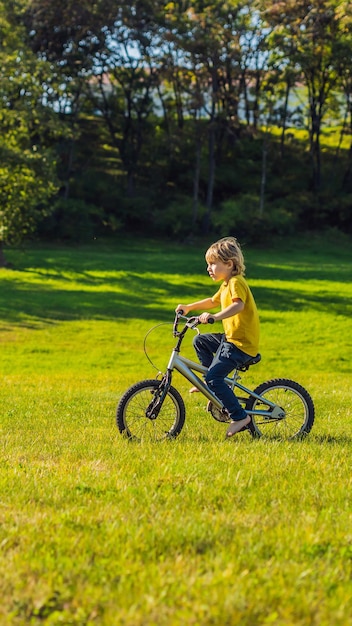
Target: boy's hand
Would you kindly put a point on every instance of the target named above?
(182, 307)
(204, 318)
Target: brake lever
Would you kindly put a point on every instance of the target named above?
(193, 322)
(175, 330)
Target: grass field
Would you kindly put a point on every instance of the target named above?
(198, 531)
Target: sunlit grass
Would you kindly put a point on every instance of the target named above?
(198, 531)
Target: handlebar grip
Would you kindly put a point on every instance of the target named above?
(211, 320)
(180, 312)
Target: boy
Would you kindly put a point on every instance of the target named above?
(223, 352)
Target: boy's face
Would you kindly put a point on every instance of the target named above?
(219, 270)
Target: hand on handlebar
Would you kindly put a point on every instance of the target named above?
(191, 322)
(182, 309)
(206, 318)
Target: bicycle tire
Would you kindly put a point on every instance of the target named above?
(296, 402)
(131, 413)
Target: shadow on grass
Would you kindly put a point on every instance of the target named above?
(318, 272)
(140, 297)
(61, 262)
(136, 282)
(136, 298)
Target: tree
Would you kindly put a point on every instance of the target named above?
(27, 170)
(344, 65)
(206, 39)
(308, 33)
(123, 91)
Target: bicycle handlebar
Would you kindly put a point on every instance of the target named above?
(191, 322)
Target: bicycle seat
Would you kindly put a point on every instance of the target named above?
(252, 361)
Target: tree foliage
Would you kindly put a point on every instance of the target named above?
(182, 101)
(28, 129)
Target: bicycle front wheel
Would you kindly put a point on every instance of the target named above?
(293, 415)
(131, 415)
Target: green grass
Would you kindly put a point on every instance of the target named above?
(98, 531)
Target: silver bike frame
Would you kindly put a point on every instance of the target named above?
(185, 367)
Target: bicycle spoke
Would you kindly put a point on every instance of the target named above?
(296, 404)
(132, 413)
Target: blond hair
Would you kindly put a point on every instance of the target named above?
(227, 249)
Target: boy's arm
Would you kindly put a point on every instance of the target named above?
(207, 303)
(236, 307)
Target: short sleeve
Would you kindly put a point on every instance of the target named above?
(238, 289)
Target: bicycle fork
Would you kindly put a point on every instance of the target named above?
(159, 395)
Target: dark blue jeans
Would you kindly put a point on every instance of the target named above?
(221, 357)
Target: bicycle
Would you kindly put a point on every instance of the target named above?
(154, 409)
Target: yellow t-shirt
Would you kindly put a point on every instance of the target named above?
(241, 329)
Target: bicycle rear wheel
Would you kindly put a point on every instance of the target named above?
(292, 422)
(133, 422)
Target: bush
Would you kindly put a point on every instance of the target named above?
(242, 216)
(177, 218)
(73, 219)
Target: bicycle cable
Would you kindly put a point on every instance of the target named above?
(145, 342)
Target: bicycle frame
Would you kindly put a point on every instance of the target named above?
(186, 368)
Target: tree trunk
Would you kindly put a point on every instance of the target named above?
(347, 176)
(179, 104)
(256, 108)
(66, 183)
(211, 178)
(284, 118)
(196, 181)
(314, 141)
(246, 101)
(348, 173)
(263, 179)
